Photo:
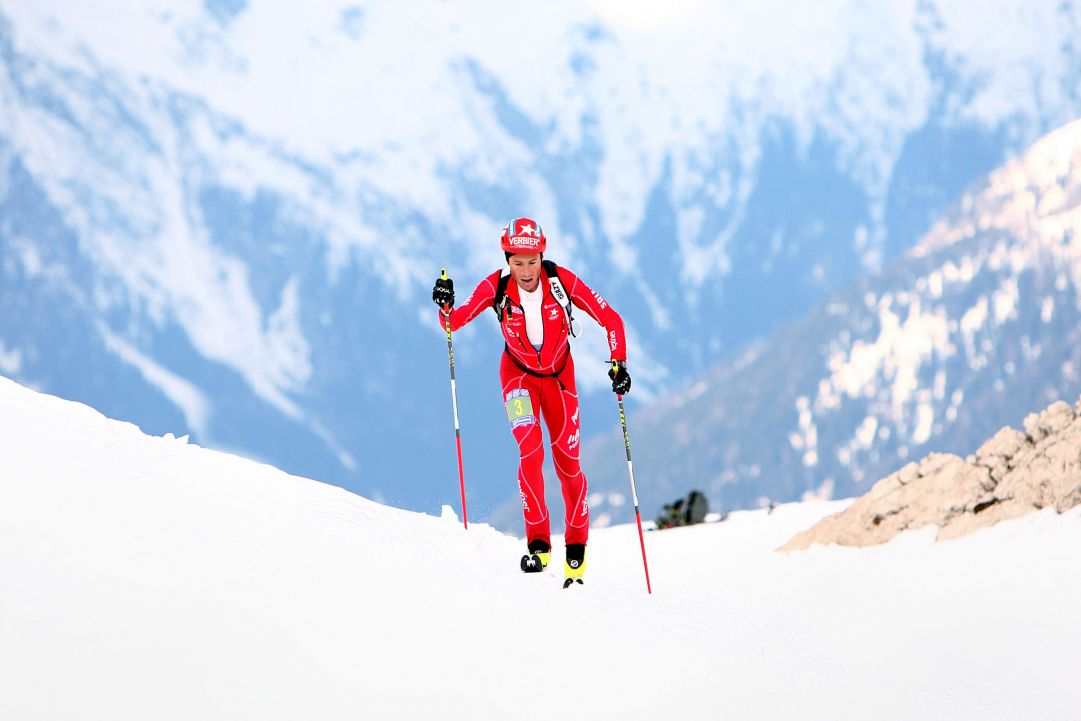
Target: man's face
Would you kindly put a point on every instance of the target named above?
(525, 268)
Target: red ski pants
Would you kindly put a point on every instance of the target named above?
(528, 398)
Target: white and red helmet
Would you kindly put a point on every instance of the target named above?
(523, 235)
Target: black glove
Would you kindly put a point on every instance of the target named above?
(621, 379)
(443, 292)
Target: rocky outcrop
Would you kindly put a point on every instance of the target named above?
(1012, 474)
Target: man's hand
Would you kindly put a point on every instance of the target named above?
(621, 379)
(443, 293)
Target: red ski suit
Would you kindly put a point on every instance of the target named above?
(541, 382)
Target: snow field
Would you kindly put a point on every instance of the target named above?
(144, 577)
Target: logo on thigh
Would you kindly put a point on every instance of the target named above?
(572, 442)
(520, 408)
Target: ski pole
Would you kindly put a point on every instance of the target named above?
(454, 400)
(634, 490)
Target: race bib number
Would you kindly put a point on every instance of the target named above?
(519, 408)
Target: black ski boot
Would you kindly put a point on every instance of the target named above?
(540, 552)
(575, 565)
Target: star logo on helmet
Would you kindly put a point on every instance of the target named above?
(527, 230)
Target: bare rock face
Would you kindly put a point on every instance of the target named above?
(1012, 474)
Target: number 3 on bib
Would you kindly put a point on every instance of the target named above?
(519, 408)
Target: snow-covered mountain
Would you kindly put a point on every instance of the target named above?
(146, 577)
(977, 326)
(222, 217)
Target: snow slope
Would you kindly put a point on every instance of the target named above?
(144, 577)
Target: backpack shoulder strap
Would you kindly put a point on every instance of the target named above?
(560, 293)
(499, 303)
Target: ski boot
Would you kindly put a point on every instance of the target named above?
(540, 552)
(574, 567)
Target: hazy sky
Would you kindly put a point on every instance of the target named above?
(645, 13)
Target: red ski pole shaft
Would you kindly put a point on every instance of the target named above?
(634, 490)
(454, 401)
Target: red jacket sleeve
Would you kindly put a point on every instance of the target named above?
(479, 300)
(598, 309)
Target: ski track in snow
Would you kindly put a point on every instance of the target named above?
(143, 577)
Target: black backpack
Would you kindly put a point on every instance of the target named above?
(501, 301)
(685, 511)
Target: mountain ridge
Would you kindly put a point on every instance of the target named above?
(231, 218)
(977, 324)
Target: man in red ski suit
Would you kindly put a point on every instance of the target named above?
(537, 378)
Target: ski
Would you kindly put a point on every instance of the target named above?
(531, 563)
(570, 582)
